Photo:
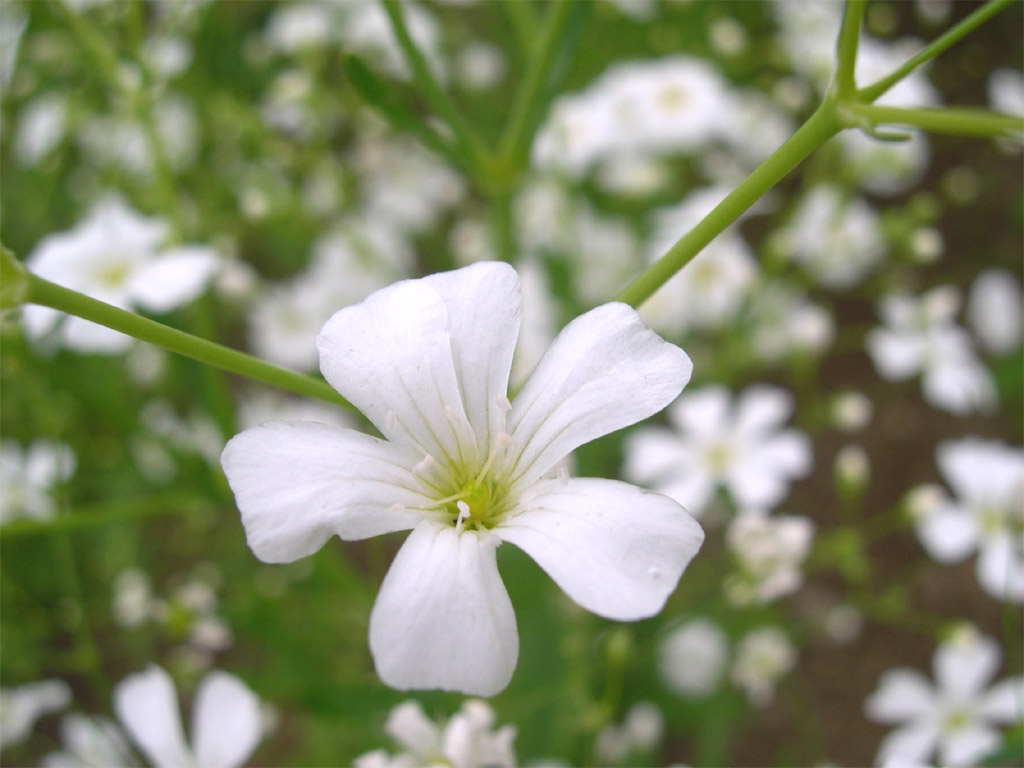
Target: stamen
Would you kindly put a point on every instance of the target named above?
(563, 474)
(504, 439)
(464, 512)
(390, 421)
(424, 465)
(396, 509)
(502, 402)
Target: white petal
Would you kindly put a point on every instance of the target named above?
(693, 491)
(755, 483)
(484, 307)
(761, 409)
(968, 745)
(147, 707)
(948, 533)
(391, 357)
(615, 549)
(960, 386)
(964, 668)
(653, 454)
(176, 277)
(1000, 567)
(442, 618)
(902, 694)
(895, 355)
(604, 371)
(908, 746)
(1004, 701)
(704, 412)
(226, 724)
(298, 482)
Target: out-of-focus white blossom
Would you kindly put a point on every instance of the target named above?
(692, 657)
(958, 717)
(28, 477)
(994, 311)
(986, 514)
(837, 239)
(22, 706)
(1006, 91)
(480, 66)
(921, 336)
(763, 656)
(90, 742)
(133, 598)
(115, 255)
(783, 322)
(639, 732)
(226, 721)
(717, 442)
(41, 128)
(467, 740)
(769, 552)
(852, 469)
(851, 411)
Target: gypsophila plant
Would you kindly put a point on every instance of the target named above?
(710, 310)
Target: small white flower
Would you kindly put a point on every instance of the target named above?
(782, 322)
(994, 311)
(920, 336)
(851, 411)
(89, 742)
(20, 707)
(770, 551)
(693, 657)
(718, 443)
(957, 717)
(468, 740)
(763, 656)
(115, 256)
(639, 732)
(28, 477)
(987, 513)
(133, 598)
(428, 361)
(226, 724)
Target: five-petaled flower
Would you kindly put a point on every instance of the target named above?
(428, 361)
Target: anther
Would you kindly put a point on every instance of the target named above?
(502, 402)
(504, 439)
(424, 465)
(464, 512)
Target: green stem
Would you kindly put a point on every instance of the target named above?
(523, 19)
(438, 98)
(933, 49)
(819, 128)
(102, 54)
(515, 143)
(74, 303)
(959, 121)
(846, 48)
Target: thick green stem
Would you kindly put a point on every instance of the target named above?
(933, 49)
(846, 48)
(515, 143)
(819, 128)
(438, 98)
(64, 299)
(958, 121)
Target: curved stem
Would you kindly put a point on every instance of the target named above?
(819, 128)
(74, 303)
(958, 121)
(846, 48)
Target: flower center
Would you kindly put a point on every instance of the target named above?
(113, 274)
(718, 457)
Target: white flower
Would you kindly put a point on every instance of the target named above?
(427, 361)
(987, 514)
(27, 478)
(1006, 91)
(763, 656)
(89, 742)
(838, 240)
(770, 551)
(920, 335)
(226, 725)
(20, 708)
(467, 740)
(957, 717)
(640, 731)
(41, 128)
(994, 311)
(782, 322)
(133, 598)
(715, 442)
(115, 256)
(480, 66)
(693, 656)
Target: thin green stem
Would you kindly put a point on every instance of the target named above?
(74, 303)
(101, 52)
(959, 121)
(846, 48)
(933, 49)
(515, 142)
(524, 23)
(819, 128)
(436, 95)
